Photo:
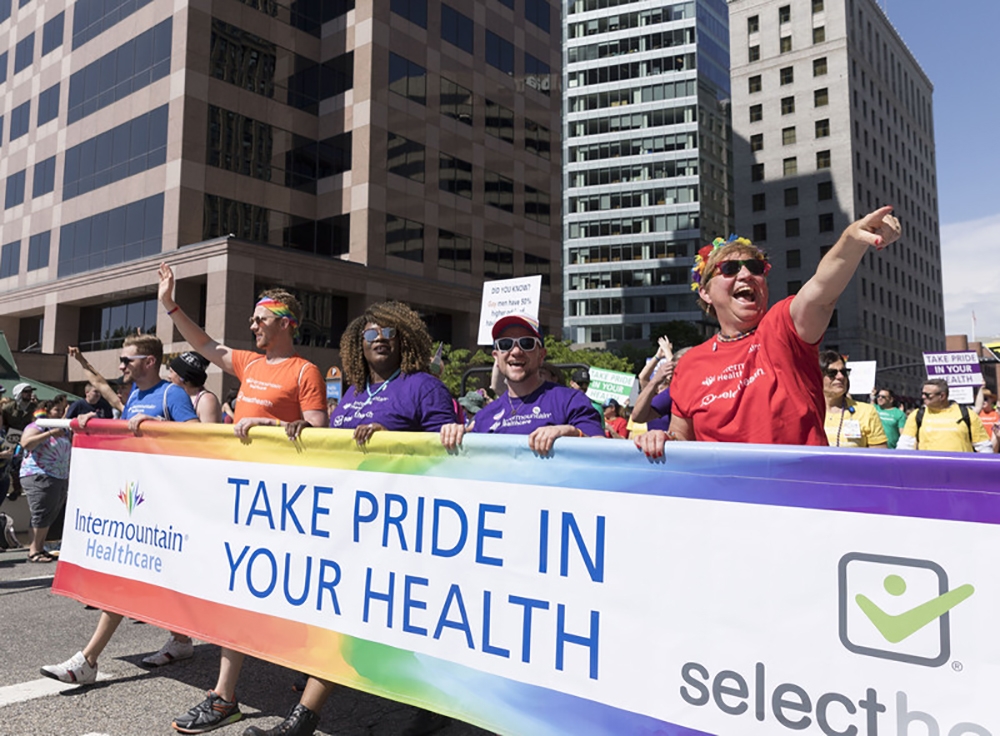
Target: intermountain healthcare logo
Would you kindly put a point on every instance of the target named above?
(130, 496)
(888, 606)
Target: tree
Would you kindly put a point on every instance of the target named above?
(682, 334)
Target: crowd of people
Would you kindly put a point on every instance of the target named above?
(761, 379)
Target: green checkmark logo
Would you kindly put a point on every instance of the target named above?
(897, 628)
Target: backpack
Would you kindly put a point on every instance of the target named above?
(8, 540)
(965, 418)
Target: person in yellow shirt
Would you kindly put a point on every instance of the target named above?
(848, 423)
(943, 425)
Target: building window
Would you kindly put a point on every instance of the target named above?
(753, 53)
(791, 197)
(758, 202)
(785, 44)
(10, 259)
(757, 142)
(52, 34)
(44, 179)
(819, 34)
(123, 234)
(537, 74)
(536, 205)
(753, 83)
(788, 136)
(824, 191)
(454, 251)
(48, 104)
(787, 75)
(38, 251)
(499, 191)
(760, 232)
(793, 256)
(792, 228)
(457, 29)
(757, 172)
(823, 128)
(499, 53)
(753, 24)
(826, 223)
(538, 12)
(787, 105)
(15, 189)
(499, 121)
(405, 157)
(498, 261)
(756, 113)
(537, 265)
(407, 79)
(822, 159)
(414, 11)
(536, 139)
(508, 3)
(817, 6)
(793, 287)
(20, 120)
(819, 67)
(404, 238)
(455, 176)
(24, 52)
(784, 13)
(456, 101)
(790, 166)
(105, 326)
(821, 97)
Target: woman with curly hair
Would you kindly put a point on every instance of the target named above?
(386, 354)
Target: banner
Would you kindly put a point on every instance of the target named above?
(725, 589)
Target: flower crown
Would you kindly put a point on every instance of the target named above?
(701, 259)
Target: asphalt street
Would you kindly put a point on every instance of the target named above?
(37, 627)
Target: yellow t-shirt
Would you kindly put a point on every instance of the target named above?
(635, 428)
(945, 431)
(860, 428)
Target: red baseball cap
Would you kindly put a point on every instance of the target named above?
(516, 320)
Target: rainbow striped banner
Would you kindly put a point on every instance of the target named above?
(723, 589)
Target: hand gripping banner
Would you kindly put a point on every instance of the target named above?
(726, 589)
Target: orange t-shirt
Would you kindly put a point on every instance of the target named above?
(281, 391)
(989, 419)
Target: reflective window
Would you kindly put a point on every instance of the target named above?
(20, 120)
(14, 194)
(407, 79)
(538, 265)
(108, 238)
(757, 142)
(105, 326)
(536, 204)
(3, 66)
(536, 138)
(5, 7)
(456, 101)
(508, 3)
(93, 17)
(821, 97)
(822, 159)
(538, 12)
(454, 251)
(48, 104)
(787, 75)
(499, 191)
(306, 15)
(787, 105)
(753, 24)
(499, 53)
(498, 261)
(537, 74)
(499, 121)
(10, 259)
(819, 34)
(52, 33)
(756, 113)
(44, 179)
(38, 250)
(819, 67)
(405, 157)
(133, 65)
(404, 238)
(125, 150)
(788, 136)
(753, 53)
(24, 52)
(790, 166)
(455, 176)
(754, 84)
(823, 128)
(328, 237)
(414, 11)
(785, 44)
(457, 29)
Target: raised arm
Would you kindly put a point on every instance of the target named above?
(664, 351)
(190, 331)
(643, 410)
(96, 379)
(813, 306)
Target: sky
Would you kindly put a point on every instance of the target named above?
(956, 45)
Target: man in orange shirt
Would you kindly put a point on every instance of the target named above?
(277, 388)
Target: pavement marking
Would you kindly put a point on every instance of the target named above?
(44, 687)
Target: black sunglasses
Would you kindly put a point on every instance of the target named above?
(130, 358)
(755, 266)
(372, 334)
(831, 373)
(506, 344)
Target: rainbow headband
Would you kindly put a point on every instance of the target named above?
(701, 259)
(279, 309)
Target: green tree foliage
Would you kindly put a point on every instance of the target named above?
(682, 334)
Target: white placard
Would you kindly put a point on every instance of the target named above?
(509, 296)
(862, 376)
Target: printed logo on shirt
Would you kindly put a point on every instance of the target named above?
(258, 385)
(733, 392)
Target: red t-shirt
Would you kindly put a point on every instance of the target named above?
(280, 391)
(765, 389)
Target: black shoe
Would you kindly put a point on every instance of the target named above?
(300, 722)
(425, 723)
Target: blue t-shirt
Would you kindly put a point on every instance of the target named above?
(548, 405)
(414, 402)
(151, 401)
(102, 409)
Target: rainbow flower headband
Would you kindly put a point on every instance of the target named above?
(279, 309)
(701, 259)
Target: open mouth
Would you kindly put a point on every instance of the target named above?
(745, 294)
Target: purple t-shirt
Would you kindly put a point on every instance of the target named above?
(414, 402)
(661, 404)
(548, 405)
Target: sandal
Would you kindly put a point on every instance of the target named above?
(41, 557)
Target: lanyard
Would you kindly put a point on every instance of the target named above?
(376, 392)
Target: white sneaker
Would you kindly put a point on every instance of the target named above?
(76, 670)
(172, 651)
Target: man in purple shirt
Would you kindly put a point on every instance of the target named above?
(543, 411)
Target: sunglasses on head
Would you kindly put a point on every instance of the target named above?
(831, 373)
(506, 344)
(755, 266)
(372, 334)
(130, 358)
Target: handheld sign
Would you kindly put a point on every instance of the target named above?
(862, 377)
(960, 369)
(510, 296)
(606, 384)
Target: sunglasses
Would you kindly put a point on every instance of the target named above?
(372, 334)
(257, 320)
(130, 358)
(926, 395)
(881, 398)
(831, 373)
(755, 266)
(527, 344)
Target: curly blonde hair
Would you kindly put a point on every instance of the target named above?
(414, 341)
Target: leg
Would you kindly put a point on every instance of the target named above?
(304, 718)
(229, 673)
(106, 626)
(37, 544)
(316, 694)
(220, 707)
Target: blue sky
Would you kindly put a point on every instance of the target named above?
(956, 45)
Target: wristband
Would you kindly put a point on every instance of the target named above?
(171, 311)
